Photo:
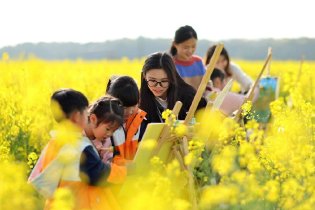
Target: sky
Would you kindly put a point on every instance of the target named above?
(86, 21)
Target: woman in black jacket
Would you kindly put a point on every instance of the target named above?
(161, 87)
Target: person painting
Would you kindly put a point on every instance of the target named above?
(126, 137)
(230, 69)
(70, 161)
(161, 87)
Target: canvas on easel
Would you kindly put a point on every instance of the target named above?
(147, 146)
(156, 141)
(268, 92)
(251, 93)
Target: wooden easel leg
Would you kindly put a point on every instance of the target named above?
(191, 183)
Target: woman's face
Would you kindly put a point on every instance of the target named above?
(157, 82)
(186, 49)
(222, 63)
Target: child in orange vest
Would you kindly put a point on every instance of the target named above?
(70, 161)
(126, 137)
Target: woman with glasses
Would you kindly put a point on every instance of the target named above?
(161, 87)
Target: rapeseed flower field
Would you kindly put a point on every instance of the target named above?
(234, 166)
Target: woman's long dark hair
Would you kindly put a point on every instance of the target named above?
(181, 35)
(162, 60)
(224, 53)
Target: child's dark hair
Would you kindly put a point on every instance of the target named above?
(125, 89)
(69, 101)
(223, 53)
(107, 110)
(181, 35)
(217, 73)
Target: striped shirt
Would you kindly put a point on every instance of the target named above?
(191, 71)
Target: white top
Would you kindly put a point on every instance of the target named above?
(162, 102)
(243, 79)
(119, 135)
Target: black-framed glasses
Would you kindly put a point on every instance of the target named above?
(154, 83)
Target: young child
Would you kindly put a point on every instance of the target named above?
(105, 149)
(189, 66)
(126, 137)
(232, 101)
(70, 161)
(218, 79)
(104, 145)
(105, 117)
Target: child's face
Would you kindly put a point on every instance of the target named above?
(80, 118)
(218, 83)
(186, 49)
(104, 130)
(221, 63)
(157, 82)
(130, 110)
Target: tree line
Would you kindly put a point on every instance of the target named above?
(283, 49)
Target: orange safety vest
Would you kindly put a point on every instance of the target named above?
(126, 138)
(51, 173)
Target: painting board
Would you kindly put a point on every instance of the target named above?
(147, 145)
(268, 92)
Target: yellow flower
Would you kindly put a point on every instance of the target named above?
(214, 196)
(166, 113)
(246, 108)
(169, 117)
(180, 204)
(63, 199)
(272, 189)
(5, 56)
(32, 158)
(181, 130)
(224, 163)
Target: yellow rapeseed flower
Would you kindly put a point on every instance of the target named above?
(181, 130)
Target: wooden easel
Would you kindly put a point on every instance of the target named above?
(189, 116)
(166, 138)
(250, 94)
(203, 84)
(269, 63)
(269, 91)
(220, 97)
(165, 134)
